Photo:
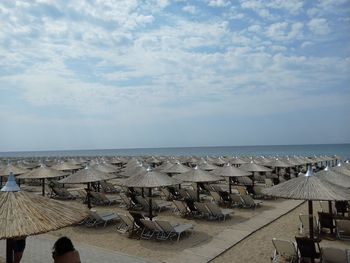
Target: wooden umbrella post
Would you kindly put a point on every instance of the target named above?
(43, 186)
(88, 196)
(311, 221)
(150, 203)
(9, 250)
(198, 192)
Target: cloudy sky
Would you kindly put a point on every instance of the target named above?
(129, 74)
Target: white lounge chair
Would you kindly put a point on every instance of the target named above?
(173, 229)
(218, 212)
(334, 255)
(343, 229)
(285, 251)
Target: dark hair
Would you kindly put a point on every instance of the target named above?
(62, 246)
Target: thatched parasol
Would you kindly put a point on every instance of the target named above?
(231, 171)
(207, 166)
(23, 214)
(42, 172)
(311, 188)
(197, 175)
(340, 168)
(65, 166)
(10, 168)
(105, 168)
(176, 168)
(334, 177)
(150, 179)
(87, 175)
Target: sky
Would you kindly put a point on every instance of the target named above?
(159, 73)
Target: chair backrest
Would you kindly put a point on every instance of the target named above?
(183, 193)
(325, 220)
(127, 220)
(325, 207)
(137, 218)
(150, 224)
(201, 207)
(333, 255)
(165, 225)
(125, 199)
(248, 200)
(180, 206)
(192, 194)
(343, 225)
(304, 219)
(307, 247)
(285, 248)
(142, 201)
(215, 196)
(236, 198)
(268, 182)
(241, 189)
(213, 208)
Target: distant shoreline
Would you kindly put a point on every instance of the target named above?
(342, 149)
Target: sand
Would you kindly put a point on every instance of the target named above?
(255, 248)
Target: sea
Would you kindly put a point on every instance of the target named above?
(341, 150)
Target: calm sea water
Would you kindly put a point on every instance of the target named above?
(342, 150)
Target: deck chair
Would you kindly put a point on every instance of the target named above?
(102, 199)
(268, 182)
(191, 194)
(304, 225)
(203, 210)
(250, 202)
(160, 204)
(258, 191)
(308, 248)
(325, 207)
(242, 190)
(61, 193)
(218, 212)
(150, 229)
(334, 255)
(237, 200)
(285, 251)
(125, 201)
(126, 224)
(216, 197)
(325, 220)
(171, 230)
(343, 229)
(180, 208)
(108, 187)
(101, 218)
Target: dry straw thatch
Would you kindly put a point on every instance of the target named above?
(24, 214)
(150, 179)
(86, 175)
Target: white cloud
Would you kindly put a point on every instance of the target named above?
(189, 9)
(319, 26)
(282, 31)
(254, 28)
(218, 3)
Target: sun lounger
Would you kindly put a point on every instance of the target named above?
(218, 212)
(102, 199)
(150, 229)
(108, 187)
(101, 218)
(180, 208)
(249, 202)
(343, 229)
(237, 200)
(203, 210)
(304, 225)
(61, 193)
(173, 229)
(326, 220)
(126, 224)
(285, 251)
(334, 255)
(308, 248)
(325, 207)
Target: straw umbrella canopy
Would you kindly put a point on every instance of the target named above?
(150, 179)
(197, 175)
(24, 214)
(42, 173)
(334, 177)
(341, 169)
(65, 166)
(10, 168)
(237, 161)
(254, 167)
(311, 188)
(105, 168)
(176, 168)
(207, 166)
(87, 175)
(231, 171)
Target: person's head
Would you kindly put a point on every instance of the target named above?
(64, 251)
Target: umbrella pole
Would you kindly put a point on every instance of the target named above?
(142, 193)
(198, 192)
(330, 210)
(311, 221)
(43, 185)
(150, 203)
(9, 251)
(230, 184)
(88, 196)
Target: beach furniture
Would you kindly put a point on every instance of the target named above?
(98, 218)
(61, 193)
(304, 228)
(308, 248)
(326, 220)
(150, 229)
(218, 212)
(237, 200)
(342, 207)
(249, 202)
(216, 197)
(126, 224)
(180, 208)
(343, 229)
(170, 229)
(334, 255)
(285, 251)
(102, 199)
(242, 190)
(325, 207)
(268, 182)
(107, 187)
(203, 210)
